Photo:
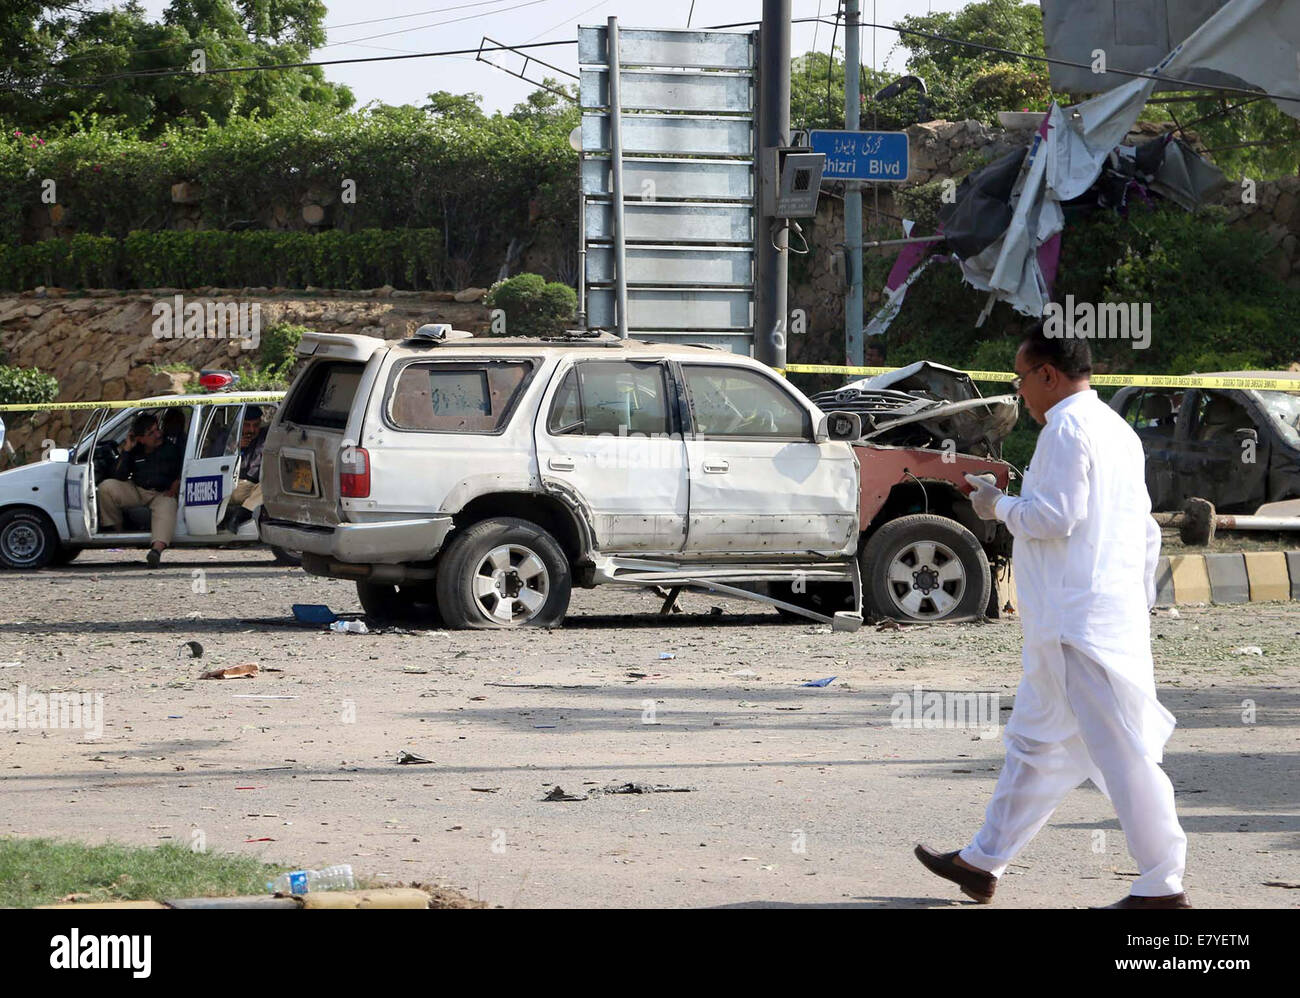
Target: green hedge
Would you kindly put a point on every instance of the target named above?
(480, 182)
(405, 258)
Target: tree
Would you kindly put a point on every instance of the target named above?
(63, 59)
(445, 104)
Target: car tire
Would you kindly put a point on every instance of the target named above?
(290, 558)
(27, 539)
(400, 604)
(487, 569)
(925, 568)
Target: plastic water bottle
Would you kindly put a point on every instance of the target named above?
(332, 878)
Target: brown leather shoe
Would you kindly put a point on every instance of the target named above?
(973, 883)
(1133, 902)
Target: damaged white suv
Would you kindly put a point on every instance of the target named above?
(476, 481)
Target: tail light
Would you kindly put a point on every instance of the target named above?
(354, 473)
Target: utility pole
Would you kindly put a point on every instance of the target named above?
(853, 347)
(771, 237)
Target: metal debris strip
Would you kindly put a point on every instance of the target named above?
(667, 183)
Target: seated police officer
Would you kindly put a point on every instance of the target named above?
(148, 473)
(246, 496)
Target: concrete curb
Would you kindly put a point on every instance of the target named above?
(1250, 577)
(387, 897)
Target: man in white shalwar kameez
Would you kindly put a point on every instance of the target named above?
(1085, 555)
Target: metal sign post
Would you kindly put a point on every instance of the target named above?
(668, 120)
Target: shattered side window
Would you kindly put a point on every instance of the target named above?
(736, 402)
(1283, 409)
(457, 398)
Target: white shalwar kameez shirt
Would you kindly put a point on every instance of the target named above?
(1085, 553)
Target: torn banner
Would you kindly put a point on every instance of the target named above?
(1253, 40)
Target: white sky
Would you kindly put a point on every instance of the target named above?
(408, 81)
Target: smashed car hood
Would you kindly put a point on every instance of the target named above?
(926, 405)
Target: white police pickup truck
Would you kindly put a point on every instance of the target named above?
(48, 509)
(474, 482)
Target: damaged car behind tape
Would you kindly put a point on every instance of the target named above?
(473, 482)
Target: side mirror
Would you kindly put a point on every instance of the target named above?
(842, 426)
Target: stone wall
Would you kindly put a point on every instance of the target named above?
(101, 345)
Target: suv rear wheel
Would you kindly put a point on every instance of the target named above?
(925, 567)
(505, 572)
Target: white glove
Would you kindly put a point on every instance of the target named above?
(985, 497)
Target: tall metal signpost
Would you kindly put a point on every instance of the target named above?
(668, 184)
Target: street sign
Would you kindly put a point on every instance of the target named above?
(880, 156)
(685, 129)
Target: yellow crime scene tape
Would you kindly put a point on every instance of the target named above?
(1108, 380)
(159, 402)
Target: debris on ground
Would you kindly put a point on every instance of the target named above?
(557, 793)
(349, 627)
(643, 788)
(411, 759)
(245, 671)
(313, 613)
(1248, 650)
(664, 656)
(820, 682)
(190, 649)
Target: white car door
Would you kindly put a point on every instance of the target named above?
(211, 468)
(79, 481)
(760, 483)
(607, 436)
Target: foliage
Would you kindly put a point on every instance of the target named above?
(1215, 301)
(532, 306)
(23, 385)
(278, 345)
(408, 258)
(478, 181)
(59, 60)
(962, 82)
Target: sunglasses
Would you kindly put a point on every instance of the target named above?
(1019, 379)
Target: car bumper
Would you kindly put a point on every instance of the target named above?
(387, 543)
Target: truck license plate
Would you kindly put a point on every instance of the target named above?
(300, 478)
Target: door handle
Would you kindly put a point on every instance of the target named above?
(225, 467)
(716, 467)
(560, 464)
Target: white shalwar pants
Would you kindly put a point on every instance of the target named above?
(1037, 775)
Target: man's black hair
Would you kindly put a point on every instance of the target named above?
(879, 346)
(1068, 354)
(253, 413)
(143, 423)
